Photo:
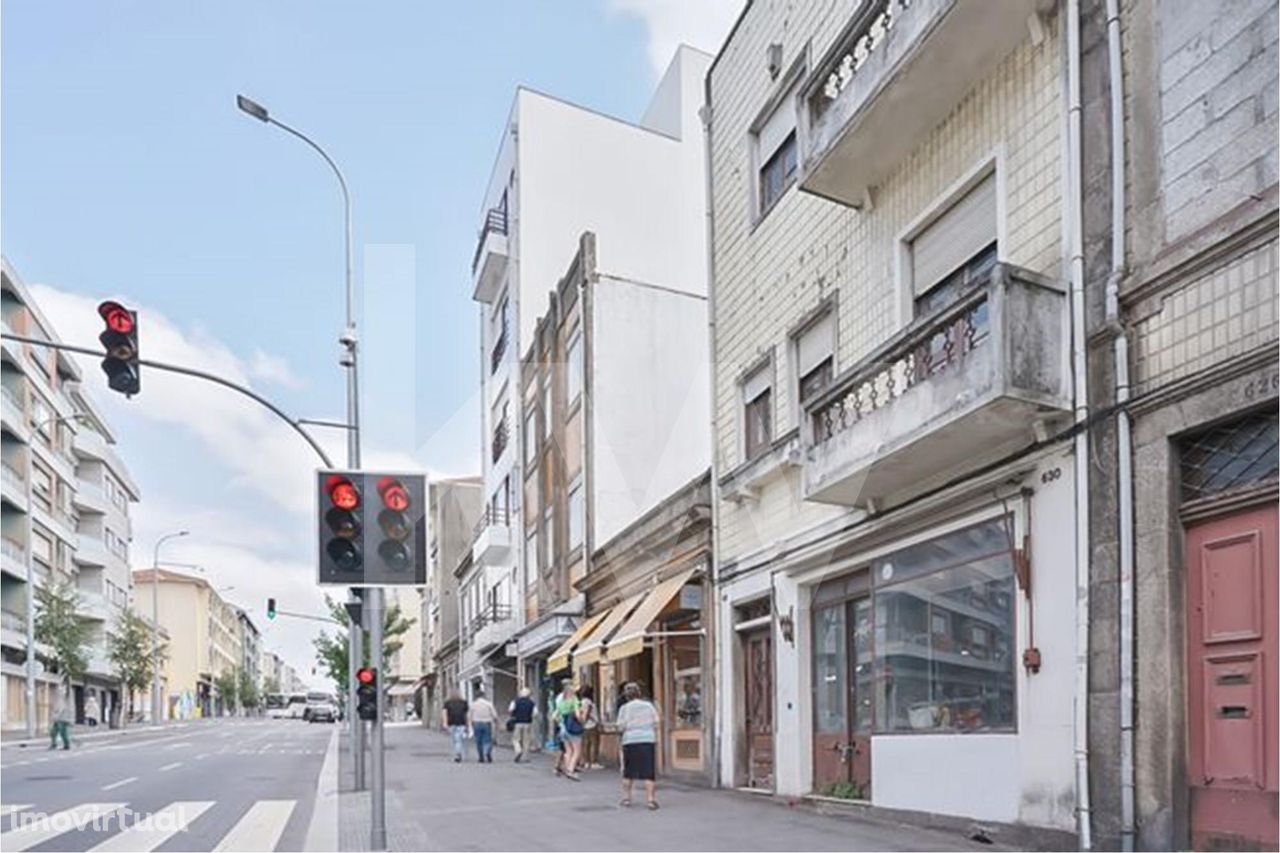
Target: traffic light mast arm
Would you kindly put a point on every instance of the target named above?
(186, 371)
(328, 619)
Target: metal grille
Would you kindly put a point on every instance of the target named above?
(1230, 456)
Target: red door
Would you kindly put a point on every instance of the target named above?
(1232, 654)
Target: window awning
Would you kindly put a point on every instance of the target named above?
(402, 689)
(560, 657)
(592, 648)
(630, 637)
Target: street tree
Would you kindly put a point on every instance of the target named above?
(247, 691)
(270, 685)
(226, 683)
(331, 649)
(130, 651)
(60, 627)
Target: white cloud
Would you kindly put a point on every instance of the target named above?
(704, 24)
(273, 369)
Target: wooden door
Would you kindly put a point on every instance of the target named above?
(842, 699)
(1231, 689)
(758, 695)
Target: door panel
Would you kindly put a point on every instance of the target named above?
(1232, 709)
(861, 698)
(758, 684)
(830, 698)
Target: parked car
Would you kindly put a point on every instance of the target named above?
(320, 708)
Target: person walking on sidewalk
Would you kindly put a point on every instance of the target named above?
(590, 728)
(454, 719)
(61, 726)
(91, 711)
(521, 712)
(483, 716)
(638, 723)
(568, 722)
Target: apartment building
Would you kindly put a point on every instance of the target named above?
(616, 408)
(563, 170)
(250, 644)
(455, 508)
(403, 667)
(64, 509)
(892, 328)
(204, 642)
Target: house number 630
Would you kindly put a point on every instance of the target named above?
(1051, 475)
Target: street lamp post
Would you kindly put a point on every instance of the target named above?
(156, 706)
(36, 428)
(349, 342)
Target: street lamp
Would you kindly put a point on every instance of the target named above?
(156, 708)
(37, 427)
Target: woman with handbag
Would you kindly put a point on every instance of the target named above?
(569, 723)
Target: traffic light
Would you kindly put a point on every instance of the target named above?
(271, 608)
(120, 340)
(372, 528)
(367, 693)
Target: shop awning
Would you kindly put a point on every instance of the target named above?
(592, 648)
(402, 689)
(630, 637)
(560, 657)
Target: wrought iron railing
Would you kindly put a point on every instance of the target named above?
(495, 222)
(933, 344)
(867, 32)
(490, 614)
(491, 517)
(501, 435)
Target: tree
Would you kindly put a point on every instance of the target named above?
(130, 652)
(270, 684)
(226, 683)
(331, 650)
(60, 627)
(247, 690)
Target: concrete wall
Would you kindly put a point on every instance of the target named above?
(650, 401)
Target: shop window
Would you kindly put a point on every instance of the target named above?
(944, 634)
(685, 689)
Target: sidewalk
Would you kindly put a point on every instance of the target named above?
(434, 804)
(17, 738)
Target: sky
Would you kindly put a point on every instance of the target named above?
(127, 172)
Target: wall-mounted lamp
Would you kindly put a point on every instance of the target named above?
(787, 624)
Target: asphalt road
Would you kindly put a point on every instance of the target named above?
(217, 784)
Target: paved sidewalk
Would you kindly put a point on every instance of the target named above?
(434, 804)
(18, 739)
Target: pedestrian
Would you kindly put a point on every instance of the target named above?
(91, 710)
(482, 717)
(61, 727)
(521, 712)
(638, 724)
(569, 725)
(590, 728)
(454, 719)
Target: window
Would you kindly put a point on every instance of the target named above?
(500, 431)
(944, 633)
(573, 381)
(576, 511)
(531, 556)
(956, 247)
(774, 145)
(757, 400)
(530, 439)
(548, 554)
(501, 325)
(546, 411)
(814, 354)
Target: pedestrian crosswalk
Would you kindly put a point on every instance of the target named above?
(259, 827)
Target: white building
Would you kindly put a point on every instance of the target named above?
(897, 557)
(563, 170)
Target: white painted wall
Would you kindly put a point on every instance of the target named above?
(650, 398)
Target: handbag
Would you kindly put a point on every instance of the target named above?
(572, 725)
(511, 724)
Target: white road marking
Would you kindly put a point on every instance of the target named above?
(29, 835)
(260, 828)
(10, 809)
(119, 784)
(322, 832)
(146, 835)
(174, 766)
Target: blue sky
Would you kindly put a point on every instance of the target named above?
(127, 171)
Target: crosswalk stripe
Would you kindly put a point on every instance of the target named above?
(7, 810)
(39, 831)
(120, 784)
(155, 829)
(260, 828)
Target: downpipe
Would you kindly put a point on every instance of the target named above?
(1075, 224)
(1124, 440)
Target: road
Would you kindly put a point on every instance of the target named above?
(212, 785)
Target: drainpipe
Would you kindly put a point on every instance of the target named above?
(718, 637)
(1124, 455)
(1075, 225)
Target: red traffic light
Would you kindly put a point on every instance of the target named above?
(365, 675)
(342, 492)
(394, 495)
(119, 319)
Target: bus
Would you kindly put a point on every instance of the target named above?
(277, 706)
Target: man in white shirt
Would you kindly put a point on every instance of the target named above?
(482, 715)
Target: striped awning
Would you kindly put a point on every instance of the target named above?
(592, 648)
(629, 640)
(560, 657)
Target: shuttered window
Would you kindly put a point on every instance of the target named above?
(961, 232)
(757, 402)
(815, 348)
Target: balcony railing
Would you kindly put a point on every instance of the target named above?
(501, 434)
(13, 621)
(13, 477)
(491, 517)
(491, 540)
(13, 549)
(959, 386)
(495, 222)
(491, 614)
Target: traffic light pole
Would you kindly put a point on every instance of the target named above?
(377, 790)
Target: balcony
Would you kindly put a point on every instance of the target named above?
(94, 606)
(13, 413)
(90, 497)
(492, 540)
(15, 485)
(897, 70)
(490, 262)
(960, 387)
(92, 551)
(13, 558)
(493, 625)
